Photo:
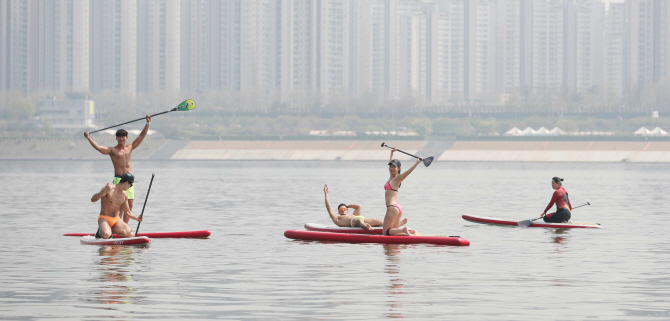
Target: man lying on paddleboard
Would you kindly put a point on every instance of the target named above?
(120, 155)
(343, 219)
(113, 199)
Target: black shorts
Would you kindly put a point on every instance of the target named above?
(561, 216)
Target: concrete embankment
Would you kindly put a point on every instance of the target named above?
(349, 150)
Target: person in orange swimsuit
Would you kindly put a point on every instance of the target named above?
(113, 200)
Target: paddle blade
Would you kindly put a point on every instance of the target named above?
(527, 223)
(186, 105)
(428, 161)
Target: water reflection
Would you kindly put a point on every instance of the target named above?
(113, 269)
(561, 238)
(396, 283)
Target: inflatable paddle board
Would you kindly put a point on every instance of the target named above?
(91, 240)
(159, 235)
(369, 238)
(538, 223)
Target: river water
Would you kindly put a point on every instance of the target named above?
(248, 270)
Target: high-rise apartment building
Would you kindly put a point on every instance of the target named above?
(18, 45)
(450, 53)
(64, 43)
(113, 45)
(159, 45)
(548, 46)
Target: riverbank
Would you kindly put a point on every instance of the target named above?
(349, 150)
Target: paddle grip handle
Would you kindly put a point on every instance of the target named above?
(384, 145)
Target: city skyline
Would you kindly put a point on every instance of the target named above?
(448, 52)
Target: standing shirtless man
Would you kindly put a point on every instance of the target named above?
(346, 220)
(115, 200)
(120, 155)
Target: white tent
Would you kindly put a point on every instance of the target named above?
(542, 132)
(658, 132)
(528, 131)
(514, 132)
(557, 132)
(643, 131)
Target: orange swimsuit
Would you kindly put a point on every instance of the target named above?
(111, 220)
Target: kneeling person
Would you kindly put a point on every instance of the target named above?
(343, 219)
(113, 201)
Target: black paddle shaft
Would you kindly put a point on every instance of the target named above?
(145, 203)
(426, 161)
(132, 121)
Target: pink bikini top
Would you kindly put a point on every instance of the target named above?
(387, 187)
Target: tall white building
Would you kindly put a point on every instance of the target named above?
(113, 47)
(64, 43)
(298, 48)
(548, 46)
(19, 45)
(411, 50)
(614, 58)
(585, 45)
(481, 26)
(450, 60)
(159, 45)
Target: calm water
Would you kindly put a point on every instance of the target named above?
(248, 270)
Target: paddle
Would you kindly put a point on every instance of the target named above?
(145, 203)
(527, 223)
(426, 161)
(186, 105)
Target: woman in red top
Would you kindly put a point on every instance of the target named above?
(563, 206)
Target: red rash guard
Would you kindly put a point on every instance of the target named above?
(560, 197)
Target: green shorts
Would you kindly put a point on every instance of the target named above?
(359, 216)
(130, 192)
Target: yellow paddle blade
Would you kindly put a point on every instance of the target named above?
(186, 105)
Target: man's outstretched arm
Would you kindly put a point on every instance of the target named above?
(102, 149)
(333, 215)
(136, 143)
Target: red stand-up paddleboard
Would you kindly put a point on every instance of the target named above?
(538, 223)
(160, 235)
(383, 239)
(91, 240)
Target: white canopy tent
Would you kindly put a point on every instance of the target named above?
(643, 131)
(514, 132)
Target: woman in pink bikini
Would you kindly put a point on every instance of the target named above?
(393, 209)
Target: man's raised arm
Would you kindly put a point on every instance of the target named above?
(136, 143)
(102, 149)
(333, 215)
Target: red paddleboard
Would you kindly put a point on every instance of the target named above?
(368, 238)
(90, 240)
(538, 223)
(337, 229)
(159, 235)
